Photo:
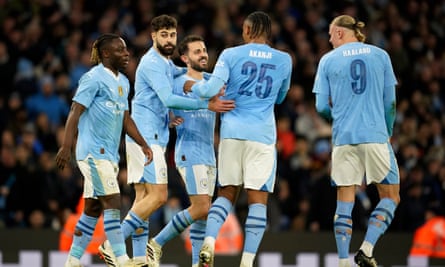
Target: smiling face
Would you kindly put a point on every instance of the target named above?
(196, 56)
(165, 41)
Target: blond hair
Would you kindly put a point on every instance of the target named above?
(349, 22)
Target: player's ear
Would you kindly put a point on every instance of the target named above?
(184, 58)
(105, 53)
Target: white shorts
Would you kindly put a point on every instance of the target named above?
(153, 173)
(100, 177)
(199, 179)
(247, 162)
(373, 162)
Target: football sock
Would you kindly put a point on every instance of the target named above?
(113, 231)
(254, 229)
(85, 227)
(139, 240)
(197, 232)
(176, 226)
(217, 216)
(379, 221)
(343, 228)
(130, 223)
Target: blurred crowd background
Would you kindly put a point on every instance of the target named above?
(45, 47)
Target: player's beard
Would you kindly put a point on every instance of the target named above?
(197, 66)
(166, 51)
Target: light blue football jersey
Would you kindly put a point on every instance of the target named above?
(154, 96)
(105, 97)
(195, 136)
(360, 81)
(257, 77)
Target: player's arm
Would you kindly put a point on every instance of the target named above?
(208, 88)
(321, 89)
(218, 79)
(170, 100)
(215, 104)
(64, 154)
(322, 105)
(132, 131)
(285, 85)
(389, 95)
(389, 102)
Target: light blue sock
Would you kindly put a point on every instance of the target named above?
(254, 227)
(343, 228)
(130, 223)
(139, 239)
(217, 216)
(197, 232)
(174, 227)
(380, 220)
(113, 231)
(85, 226)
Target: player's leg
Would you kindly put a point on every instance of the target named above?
(137, 227)
(199, 209)
(150, 184)
(103, 176)
(200, 182)
(217, 215)
(133, 224)
(229, 184)
(382, 168)
(347, 172)
(197, 234)
(343, 223)
(84, 231)
(259, 170)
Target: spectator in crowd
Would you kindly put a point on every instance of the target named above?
(429, 238)
(46, 101)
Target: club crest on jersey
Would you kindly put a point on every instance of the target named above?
(111, 183)
(203, 183)
(120, 91)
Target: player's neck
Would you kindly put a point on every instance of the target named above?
(197, 75)
(258, 40)
(111, 69)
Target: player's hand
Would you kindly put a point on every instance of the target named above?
(188, 86)
(148, 154)
(222, 91)
(63, 156)
(175, 121)
(217, 104)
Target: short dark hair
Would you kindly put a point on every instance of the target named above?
(163, 22)
(99, 44)
(261, 24)
(183, 45)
